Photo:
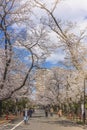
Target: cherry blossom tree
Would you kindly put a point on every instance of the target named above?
(19, 33)
(72, 42)
(58, 87)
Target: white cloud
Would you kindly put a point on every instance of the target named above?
(72, 9)
(56, 57)
(69, 10)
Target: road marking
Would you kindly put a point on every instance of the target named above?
(17, 125)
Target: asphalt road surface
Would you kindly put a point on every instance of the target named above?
(40, 122)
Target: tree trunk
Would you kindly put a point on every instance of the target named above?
(0, 108)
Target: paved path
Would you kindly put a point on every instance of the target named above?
(39, 122)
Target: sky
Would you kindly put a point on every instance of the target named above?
(67, 10)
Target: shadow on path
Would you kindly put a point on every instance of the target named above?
(37, 116)
(65, 123)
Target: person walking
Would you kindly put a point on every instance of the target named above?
(25, 115)
(51, 111)
(46, 112)
(30, 112)
(60, 113)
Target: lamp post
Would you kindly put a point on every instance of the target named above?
(84, 116)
